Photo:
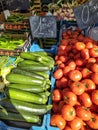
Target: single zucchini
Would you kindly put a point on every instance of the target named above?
(17, 70)
(25, 96)
(35, 68)
(28, 56)
(29, 88)
(42, 73)
(23, 79)
(19, 124)
(28, 117)
(19, 106)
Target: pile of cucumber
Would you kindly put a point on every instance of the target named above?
(28, 89)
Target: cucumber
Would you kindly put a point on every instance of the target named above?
(28, 73)
(18, 106)
(23, 79)
(29, 88)
(39, 53)
(25, 96)
(35, 68)
(28, 117)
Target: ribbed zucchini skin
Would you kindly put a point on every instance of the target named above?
(21, 106)
(25, 96)
(28, 117)
(27, 73)
(23, 79)
(29, 88)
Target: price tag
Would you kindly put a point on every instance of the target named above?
(43, 26)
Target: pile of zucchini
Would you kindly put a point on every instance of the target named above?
(28, 89)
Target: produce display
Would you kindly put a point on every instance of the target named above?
(27, 89)
(10, 43)
(16, 18)
(75, 97)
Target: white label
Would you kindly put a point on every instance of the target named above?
(6, 13)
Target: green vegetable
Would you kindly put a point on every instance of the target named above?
(25, 96)
(29, 88)
(23, 79)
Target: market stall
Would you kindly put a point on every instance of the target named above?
(49, 65)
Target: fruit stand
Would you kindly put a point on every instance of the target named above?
(49, 66)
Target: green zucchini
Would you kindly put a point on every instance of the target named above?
(19, 124)
(28, 117)
(28, 73)
(42, 73)
(18, 106)
(23, 79)
(45, 94)
(35, 68)
(29, 88)
(28, 56)
(25, 96)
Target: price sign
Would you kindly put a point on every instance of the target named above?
(87, 14)
(43, 26)
(18, 4)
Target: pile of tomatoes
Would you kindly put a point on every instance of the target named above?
(75, 97)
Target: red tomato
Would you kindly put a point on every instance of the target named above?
(58, 62)
(89, 85)
(64, 82)
(79, 46)
(63, 58)
(72, 65)
(76, 123)
(60, 105)
(93, 122)
(68, 112)
(83, 113)
(93, 52)
(89, 45)
(64, 42)
(77, 88)
(66, 70)
(94, 78)
(94, 67)
(86, 73)
(94, 97)
(56, 95)
(85, 99)
(91, 60)
(58, 74)
(57, 120)
(85, 54)
(55, 107)
(75, 75)
(79, 62)
(67, 128)
(70, 98)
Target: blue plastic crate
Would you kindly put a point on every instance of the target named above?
(35, 47)
(48, 126)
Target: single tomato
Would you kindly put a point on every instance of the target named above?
(93, 52)
(76, 123)
(79, 46)
(83, 113)
(94, 96)
(75, 75)
(72, 65)
(85, 99)
(77, 88)
(94, 78)
(70, 98)
(64, 82)
(56, 95)
(94, 67)
(66, 70)
(57, 120)
(67, 128)
(89, 85)
(89, 45)
(85, 54)
(93, 122)
(68, 112)
(86, 73)
(58, 74)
